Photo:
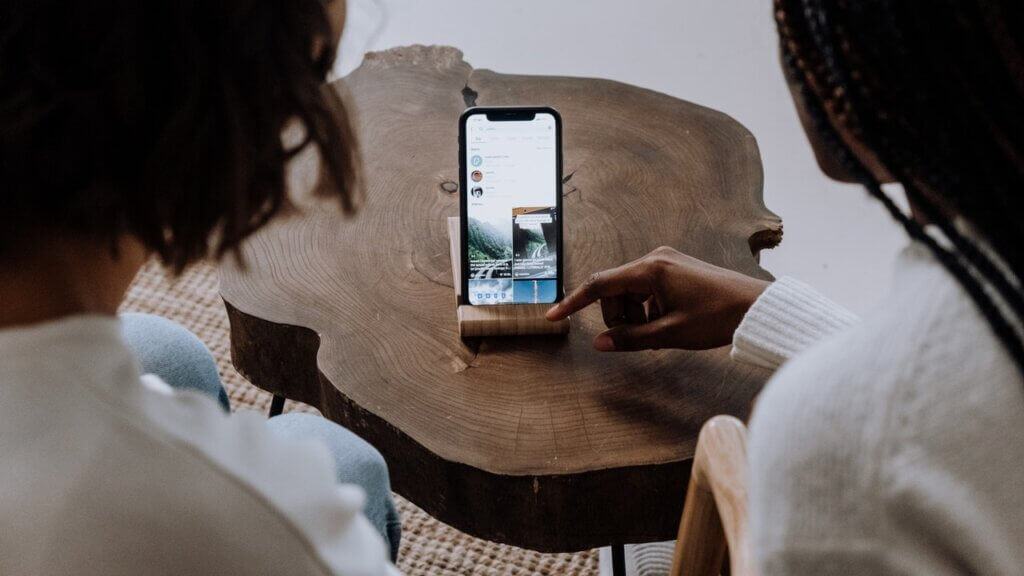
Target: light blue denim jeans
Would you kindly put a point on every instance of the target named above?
(168, 350)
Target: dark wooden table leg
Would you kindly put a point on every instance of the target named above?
(618, 560)
(276, 406)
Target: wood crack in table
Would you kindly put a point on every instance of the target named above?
(539, 442)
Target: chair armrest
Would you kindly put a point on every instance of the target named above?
(715, 513)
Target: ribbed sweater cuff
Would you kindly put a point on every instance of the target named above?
(787, 318)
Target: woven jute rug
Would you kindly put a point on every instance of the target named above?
(429, 547)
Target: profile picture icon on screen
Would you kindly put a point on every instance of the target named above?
(476, 191)
(477, 175)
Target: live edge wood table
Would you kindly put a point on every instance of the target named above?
(540, 442)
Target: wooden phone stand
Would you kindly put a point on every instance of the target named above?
(498, 320)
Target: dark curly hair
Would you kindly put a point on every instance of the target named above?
(935, 90)
(162, 120)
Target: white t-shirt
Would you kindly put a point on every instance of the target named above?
(103, 475)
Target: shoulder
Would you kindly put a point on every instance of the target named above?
(881, 417)
(173, 472)
(926, 344)
(122, 475)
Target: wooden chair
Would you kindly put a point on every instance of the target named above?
(715, 515)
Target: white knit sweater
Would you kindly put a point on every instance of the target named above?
(893, 445)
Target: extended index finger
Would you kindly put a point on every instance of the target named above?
(626, 279)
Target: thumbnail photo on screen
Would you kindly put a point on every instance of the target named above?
(514, 260)
(533, 240)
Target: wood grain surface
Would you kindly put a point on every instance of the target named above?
(538, 441)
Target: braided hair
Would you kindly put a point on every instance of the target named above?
(935, 93)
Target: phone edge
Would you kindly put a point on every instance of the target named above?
(463, 191)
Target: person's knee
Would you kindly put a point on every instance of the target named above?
(170, 351)
(371, 466)
(159, 340)
(356, 460)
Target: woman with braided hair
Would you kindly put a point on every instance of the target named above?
(891, 444)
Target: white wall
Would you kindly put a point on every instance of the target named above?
(719, 53)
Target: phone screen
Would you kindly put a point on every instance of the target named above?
(512, 205)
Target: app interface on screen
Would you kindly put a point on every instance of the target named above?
(511, 208)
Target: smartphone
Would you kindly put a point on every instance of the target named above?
(510, 161)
